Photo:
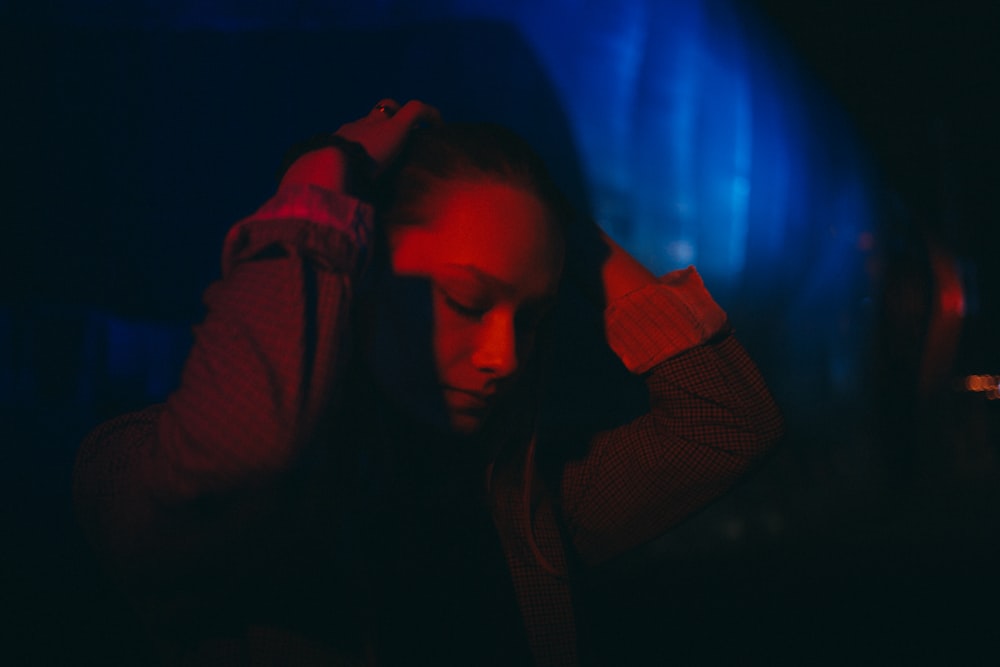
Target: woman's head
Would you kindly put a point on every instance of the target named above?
(473, 235)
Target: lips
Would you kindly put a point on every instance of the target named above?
(467, 399)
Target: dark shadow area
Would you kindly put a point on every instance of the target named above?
(145, 146)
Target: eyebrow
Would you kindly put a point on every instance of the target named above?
(485, 278)
(493, 282)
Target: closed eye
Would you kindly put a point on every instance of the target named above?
(472, 312)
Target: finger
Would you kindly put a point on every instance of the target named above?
(385, 108)
(415, 113)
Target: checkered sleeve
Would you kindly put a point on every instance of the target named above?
(711, 416)
(262, 368)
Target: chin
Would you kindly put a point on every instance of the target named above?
(464, 424)
(431, 409)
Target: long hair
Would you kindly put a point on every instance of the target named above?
(471, 152)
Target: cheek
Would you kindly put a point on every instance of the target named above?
(454, 338)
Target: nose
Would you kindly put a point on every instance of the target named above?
(496, 348)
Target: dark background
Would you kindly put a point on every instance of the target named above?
(871, 537)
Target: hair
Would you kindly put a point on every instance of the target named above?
(435, 156)
(477, 152)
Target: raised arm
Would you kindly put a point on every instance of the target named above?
(711, 415)
(174, 481)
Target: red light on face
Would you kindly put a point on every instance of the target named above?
(490, 260)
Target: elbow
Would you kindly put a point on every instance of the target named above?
(766, 426)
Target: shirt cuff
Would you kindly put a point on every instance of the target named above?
(311, 219)
(662, 319)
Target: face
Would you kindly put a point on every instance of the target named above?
(468, 288)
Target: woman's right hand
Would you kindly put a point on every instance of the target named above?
(383, 132)
(381, 135)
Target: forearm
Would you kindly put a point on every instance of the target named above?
(195, 480)
(266, 357)
(263, 366)
(711, 419)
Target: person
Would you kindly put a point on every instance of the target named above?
(357, 467)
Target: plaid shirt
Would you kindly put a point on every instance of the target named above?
(176, 498)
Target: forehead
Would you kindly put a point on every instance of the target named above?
(498, 230)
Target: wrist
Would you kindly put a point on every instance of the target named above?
(328, 161)
(601, 268)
